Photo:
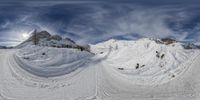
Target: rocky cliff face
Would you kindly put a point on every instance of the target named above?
(44, 38)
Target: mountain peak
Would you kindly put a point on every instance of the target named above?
(44, 38)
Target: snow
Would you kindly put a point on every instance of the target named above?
(19, 84)
(47, 73)
(153, 69)
(49, 62)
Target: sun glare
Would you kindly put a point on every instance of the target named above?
(25, 35)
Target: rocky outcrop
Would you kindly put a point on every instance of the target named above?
(168, 41)
(55, 37)
(190, 46)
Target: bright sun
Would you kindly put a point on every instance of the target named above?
(25, 35)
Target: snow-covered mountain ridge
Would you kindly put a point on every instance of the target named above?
(165, 41)
(43, 38)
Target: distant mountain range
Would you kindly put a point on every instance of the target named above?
(44, 38)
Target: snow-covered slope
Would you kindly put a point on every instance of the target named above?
(145, 62)
(73, 81)
(145, 69)
(49, 61)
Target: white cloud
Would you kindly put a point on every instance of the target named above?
(119, 20)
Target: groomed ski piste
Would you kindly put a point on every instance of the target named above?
(113, 70)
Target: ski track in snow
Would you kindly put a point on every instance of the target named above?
(98, 81)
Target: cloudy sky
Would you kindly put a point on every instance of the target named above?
(94, 21)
